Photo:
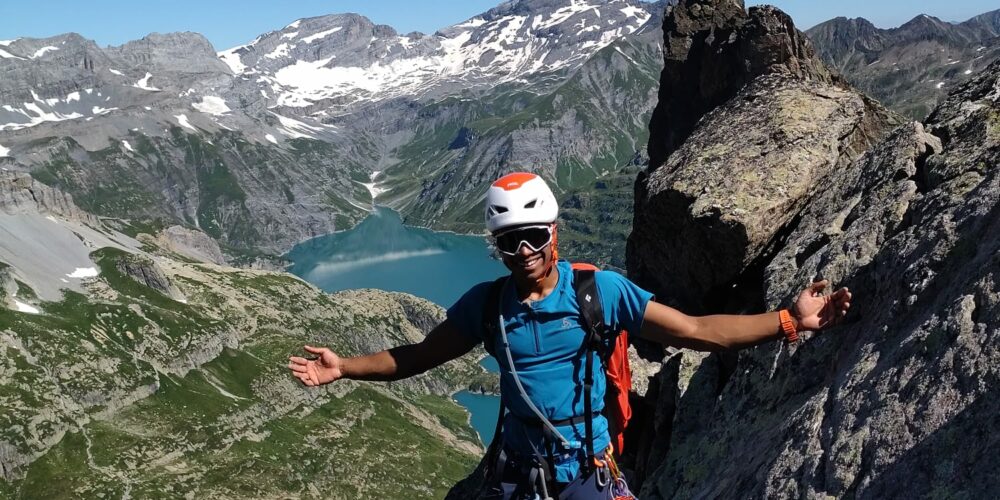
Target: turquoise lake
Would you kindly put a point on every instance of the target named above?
(381, 252)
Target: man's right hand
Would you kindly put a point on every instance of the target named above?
(322, 370)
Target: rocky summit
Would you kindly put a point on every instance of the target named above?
(794, 178)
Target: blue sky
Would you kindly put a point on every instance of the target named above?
(228, 23)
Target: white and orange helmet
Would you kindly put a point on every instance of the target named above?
(517, 199)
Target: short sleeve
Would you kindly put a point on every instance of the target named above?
(467, 312)
(623, 301)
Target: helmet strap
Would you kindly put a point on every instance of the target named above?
(555, 256)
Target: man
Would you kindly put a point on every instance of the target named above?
(539, 345)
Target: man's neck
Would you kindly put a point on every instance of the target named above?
(531, 291)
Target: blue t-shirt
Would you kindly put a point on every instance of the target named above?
(545, 343)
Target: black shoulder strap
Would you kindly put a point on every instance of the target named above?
(592, 317)
(491, 313)
(589, 299)
(491, 330)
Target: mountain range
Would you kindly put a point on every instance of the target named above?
(911, 67)
(294, 134)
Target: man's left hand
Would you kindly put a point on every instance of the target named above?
(816, 311)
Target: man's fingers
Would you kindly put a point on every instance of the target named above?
(298, 360)
(818, 286)
(316, 350)
(297, 368)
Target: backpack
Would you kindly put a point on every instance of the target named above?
(611, 346)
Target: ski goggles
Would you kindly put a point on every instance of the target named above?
(535, 237)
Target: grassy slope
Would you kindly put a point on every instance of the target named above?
(76, 379)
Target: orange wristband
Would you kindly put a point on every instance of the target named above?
(787, 326)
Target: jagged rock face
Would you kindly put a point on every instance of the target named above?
(898, 399)
(190, 243)
(145, 272)
(171, 54)
(8, 286)
(711, 49)
(727, 195)
(67, 77)
(20, 194)
(912, 67)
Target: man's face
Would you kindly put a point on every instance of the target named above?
(527, 263)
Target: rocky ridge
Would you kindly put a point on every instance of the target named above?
(897, 399)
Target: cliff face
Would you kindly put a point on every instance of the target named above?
(724, 183)
(711, 49)
(20, 194)
(771, 190)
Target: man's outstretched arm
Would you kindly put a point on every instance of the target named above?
(720, 332)
(444, 343)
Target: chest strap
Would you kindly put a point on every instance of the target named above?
(579, 419)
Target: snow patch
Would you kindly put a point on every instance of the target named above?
(115, 72)
(279, 51)
(83, 272)
(7, 55)
(321, 34)
(218, 386)
(294, 25)
(4, 152)
(5, 43)
(42, 51)
(296, 129)
(144, 83)
(373, 187)
(36, 115)
(271, 138)
(232, 59)
(939, 85)
(290, 35)
(25, 308)
(212, 105)
(182, 120)
(620, 51)
(127, 146)
(637, 13)
(968, 72)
